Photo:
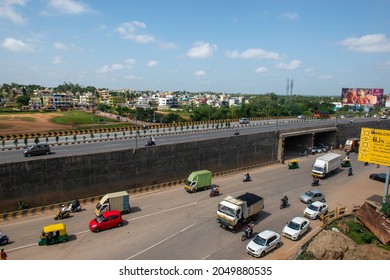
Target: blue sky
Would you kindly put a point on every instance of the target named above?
(247, 46)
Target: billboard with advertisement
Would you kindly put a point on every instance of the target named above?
(362, 96)
(374, 146)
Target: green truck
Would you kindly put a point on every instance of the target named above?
(198, 180)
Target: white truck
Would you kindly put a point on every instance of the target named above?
(234, 212)
(326, 164)
(114, 201)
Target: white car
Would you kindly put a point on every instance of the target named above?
(263, 242)
(296, 228)
(315, 210)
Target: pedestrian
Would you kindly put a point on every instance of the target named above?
(3, 255)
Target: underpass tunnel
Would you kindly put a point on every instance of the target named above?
(327, 138)
(295, 145)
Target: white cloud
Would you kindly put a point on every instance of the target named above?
(16, 45)
(200, 73)
(132, 77)
(310, 71)
(68, 6)
(57, 60)
(289, 15)
(61, 46)
(325, 77)
(290, 66)
(261, 70)
(253, 53)
(201, 50)
(116, 66)
(7, 10)
(133, 31)
(367, 43)
(386, 64)
(152, 63)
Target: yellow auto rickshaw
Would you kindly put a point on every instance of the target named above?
(52, 234)
(292, 164)
(346, 163)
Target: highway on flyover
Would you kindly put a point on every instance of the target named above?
(111, 144)
(175, 225)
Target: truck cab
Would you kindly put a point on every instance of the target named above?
(229, 214)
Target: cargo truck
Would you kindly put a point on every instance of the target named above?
(326, 164)
(234, 212)
(198, 180)
(352, 145)
(114, 201)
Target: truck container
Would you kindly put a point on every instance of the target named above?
(114, 201)
(326, 164)
(198, 180)
(234, 212)
(352, 145)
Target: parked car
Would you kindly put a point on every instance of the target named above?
(296, 228)
(315, 210)
(37, 150)
(301, 117)
(323, 146)
(381, 177)
(316, 150)
(244, 121)
(106, 220)
(311, 196)
(263, 242)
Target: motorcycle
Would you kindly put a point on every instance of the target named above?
(246, 233)
(236, 132)
(283, 202)
(4, 240)
(214, 191)
(150, 143)
(62, 215)
(315, 182)
(74, 206)
(247, 178)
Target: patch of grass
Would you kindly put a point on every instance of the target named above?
(77, 117)
(306, 256)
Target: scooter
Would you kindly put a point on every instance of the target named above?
(247, 178)
(236, 132)
(214, 192)
(62, 215)
(283, 202)
(74, 206)
(4, 240)
(246, 234)
(315, 182)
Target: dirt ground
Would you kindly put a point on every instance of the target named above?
(29, 123)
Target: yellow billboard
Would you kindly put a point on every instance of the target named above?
(374, 146)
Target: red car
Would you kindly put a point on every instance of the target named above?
(106, 220)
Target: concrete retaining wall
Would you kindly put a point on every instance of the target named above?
(52, 180)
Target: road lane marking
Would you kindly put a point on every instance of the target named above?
(111, 145)
(160, 242)
(163, 211)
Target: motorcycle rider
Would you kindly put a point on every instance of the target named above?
(316, 181)
(284, 200)
(247, 177)
(215, 190)
(63, 210)
(249, 229)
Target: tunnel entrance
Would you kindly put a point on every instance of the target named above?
(293, 144)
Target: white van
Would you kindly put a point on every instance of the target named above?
(244, 121)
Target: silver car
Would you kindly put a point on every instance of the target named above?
(311, 196)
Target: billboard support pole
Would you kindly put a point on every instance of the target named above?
(386, 188)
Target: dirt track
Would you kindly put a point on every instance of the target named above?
(29, 123)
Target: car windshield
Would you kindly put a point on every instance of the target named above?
(309, 194)
(259, 240)
(293, 225)
(99, 219)
(318, 168)
(226, 210)
(313, 207)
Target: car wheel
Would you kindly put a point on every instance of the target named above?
(29, 155)
(97, 230)
(323, 200)
(309, 202)
(119, 224)
(262, 254)
(47, 153)
(278, 244)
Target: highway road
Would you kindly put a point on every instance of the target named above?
(130, 142)
(172, 224)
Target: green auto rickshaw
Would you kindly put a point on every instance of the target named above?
(292, 164)
(346, 163)
(52, 234)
